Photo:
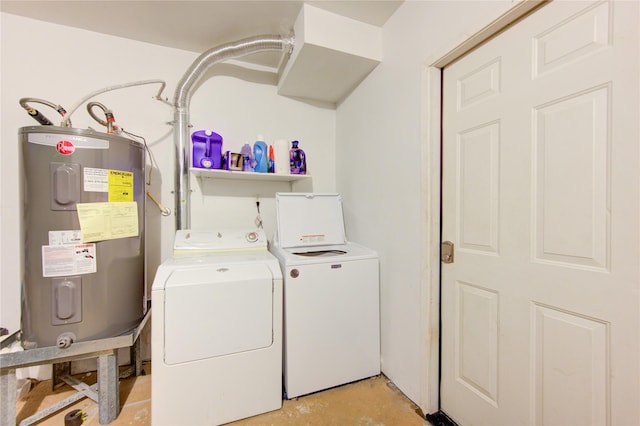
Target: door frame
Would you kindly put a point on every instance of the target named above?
(431, 183)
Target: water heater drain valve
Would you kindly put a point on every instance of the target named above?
(65, 340)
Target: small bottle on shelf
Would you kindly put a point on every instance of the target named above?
(297, 159)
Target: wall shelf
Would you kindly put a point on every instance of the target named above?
(237, 175)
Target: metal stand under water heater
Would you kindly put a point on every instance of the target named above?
(81, 287)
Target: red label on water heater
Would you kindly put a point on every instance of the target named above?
(65, 147)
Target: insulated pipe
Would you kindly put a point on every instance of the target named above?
(182, 98)
(37, 115)
(67, 123)
(110, 119)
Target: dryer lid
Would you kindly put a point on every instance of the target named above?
(307, 219)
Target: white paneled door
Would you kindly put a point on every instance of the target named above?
(541, 193)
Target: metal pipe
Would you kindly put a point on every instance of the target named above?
(182, 99)
(109, 123)
(67, 123)
(37, 115)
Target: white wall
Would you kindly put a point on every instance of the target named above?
(63, 64)
(380, 164)
(241, 112)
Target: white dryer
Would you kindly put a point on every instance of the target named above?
(216, 334)
(331, 296)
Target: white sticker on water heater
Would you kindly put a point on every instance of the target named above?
(58, 238)
(95, 180)
(64, 260)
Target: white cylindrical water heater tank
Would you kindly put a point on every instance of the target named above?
(83, 235)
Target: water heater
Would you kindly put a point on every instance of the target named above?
(83, 235)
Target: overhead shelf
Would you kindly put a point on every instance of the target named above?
(332, 54)
(238, 175)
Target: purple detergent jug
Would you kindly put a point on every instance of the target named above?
(207, 149)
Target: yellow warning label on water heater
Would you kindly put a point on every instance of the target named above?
(120, 186)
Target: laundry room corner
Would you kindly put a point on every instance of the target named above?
(384, 124)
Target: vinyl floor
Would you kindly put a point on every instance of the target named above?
(372, 402)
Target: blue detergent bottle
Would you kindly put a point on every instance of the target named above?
(260, 156)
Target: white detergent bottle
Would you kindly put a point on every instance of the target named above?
(281, 154)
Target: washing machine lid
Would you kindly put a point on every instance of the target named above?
(307, 219)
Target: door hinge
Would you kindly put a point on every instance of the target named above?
(446, 252)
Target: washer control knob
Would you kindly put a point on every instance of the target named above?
(252, 237)
(294, 273)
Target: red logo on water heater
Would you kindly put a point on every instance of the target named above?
(65, 147)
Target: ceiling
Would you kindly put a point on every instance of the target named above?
(194, 25)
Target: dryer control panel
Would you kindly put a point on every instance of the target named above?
(191, 241)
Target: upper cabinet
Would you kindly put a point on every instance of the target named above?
(331, 56)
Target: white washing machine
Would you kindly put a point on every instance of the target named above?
(331, 296)
(216, 334)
